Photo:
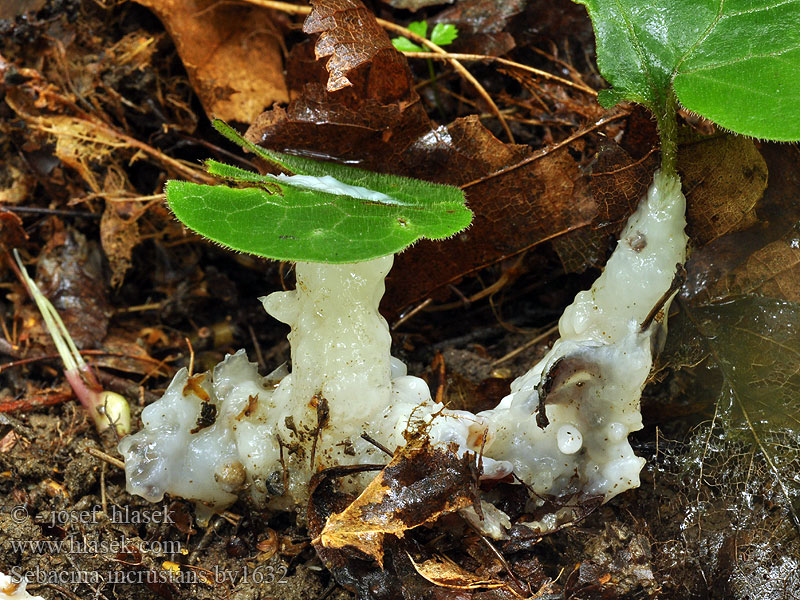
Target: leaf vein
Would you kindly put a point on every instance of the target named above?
(739, 60)
(760, 9)
(732, 85)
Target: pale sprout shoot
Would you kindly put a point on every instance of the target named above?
(562, 431)
(106, 408)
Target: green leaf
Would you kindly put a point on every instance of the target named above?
(736, 62)
(419, 27)
(404, 189)
(444, 34)
(360, 216)
(225, 171)
(749, 352)
(441, 35)
(405, 45)
(309, 225)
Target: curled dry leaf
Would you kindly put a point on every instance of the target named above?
(372, 123)
(397, 577)
(351, 36)
(418, 486)
(230, 52)
(445, 573)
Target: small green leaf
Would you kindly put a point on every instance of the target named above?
(444, 34)
(358, 215)
(405, 45)
(736, 62)
(419, 27)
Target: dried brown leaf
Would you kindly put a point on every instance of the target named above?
(351, 36)
(80, 144)
(419, 485)
(513, 211)
(723, 179)
(119, 231)
(230, 52)
(481, 25)
(762, 259)
(617, 184)
(69, 272)
(12, 234)
(445, 573)
(123, 353)
(773, 271)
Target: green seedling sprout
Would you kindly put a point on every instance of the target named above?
(443, 34)
(106, 408)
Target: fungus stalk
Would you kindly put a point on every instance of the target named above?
(271, 434)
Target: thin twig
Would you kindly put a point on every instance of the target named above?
(550, 149)
(376, 443)
(99, 353)
(507, 277)
(626, 167)
(542, 336)
(36, 210)
(399, 29)
(32, 402)
(407, 315)
(259, 354)
(191, 356)
(106, 458)
(503, 61)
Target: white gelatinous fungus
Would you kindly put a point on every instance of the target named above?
(562, 431)
(12, 588)
(585, 392)
(279, 430)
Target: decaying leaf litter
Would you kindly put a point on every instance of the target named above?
(101, 104)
